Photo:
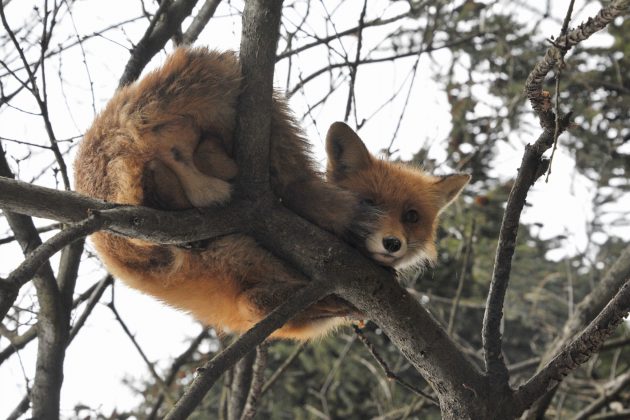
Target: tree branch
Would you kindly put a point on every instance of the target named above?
(183, 358)
(166, 21)
(532, 167)
(10, 286)
(261, 23)
(200, 21)
(612, 389)
(255, 388)
(584, 313)
(169, 227)
(208, 375)
(241, 381)
(579, 351)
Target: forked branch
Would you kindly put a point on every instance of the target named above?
(532, 167)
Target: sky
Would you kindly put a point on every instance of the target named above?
(101, 354)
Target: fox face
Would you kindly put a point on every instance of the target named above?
(408, 200)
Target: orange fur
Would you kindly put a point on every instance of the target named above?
(398, 192)
(166, 142)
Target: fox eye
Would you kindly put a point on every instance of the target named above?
(368, 202)
(410, 216)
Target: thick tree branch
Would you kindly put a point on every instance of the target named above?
(376, 293)
(52, 326)
(172, 227)
(261, 23)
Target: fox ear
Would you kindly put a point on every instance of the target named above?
(346, 152)
(449, 187)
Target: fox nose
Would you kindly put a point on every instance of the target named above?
(391, 243)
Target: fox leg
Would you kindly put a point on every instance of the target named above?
(211, 159)
(175, 145)
(162, 188)
(332, 208)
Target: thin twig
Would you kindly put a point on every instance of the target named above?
(283, 367)
(579, 350)
(43, 229)
(559, 67)
(462, 278)
(10, 286)
(40, 97)
(351, 31)
(388, 373)
(177, 364)
(355, 64)
(158, 379)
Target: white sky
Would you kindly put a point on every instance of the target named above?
(101, 355)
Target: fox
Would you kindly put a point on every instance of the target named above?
(166, 142)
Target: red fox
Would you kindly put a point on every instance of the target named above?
(166, 142)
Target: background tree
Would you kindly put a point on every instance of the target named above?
(482, 55)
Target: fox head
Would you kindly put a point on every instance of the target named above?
(407, 199)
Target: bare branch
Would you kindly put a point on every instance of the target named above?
(261, 22)
(174, 227)
(241, 382)
(53, 328)
(182, 359)
(579, 351)
(388, 373)
(323, 70)
(534, 83)
(158, 379)
(532, 166)
(208, 375)
(10, 286)
(584, 313)
(612, 390)
(200, 21)
(44, 229)
(355, 64)
(283, 367)
(347, 32)
(40, 96)
(166, 21)
(258, 377)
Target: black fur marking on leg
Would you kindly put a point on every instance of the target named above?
(177, 155)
